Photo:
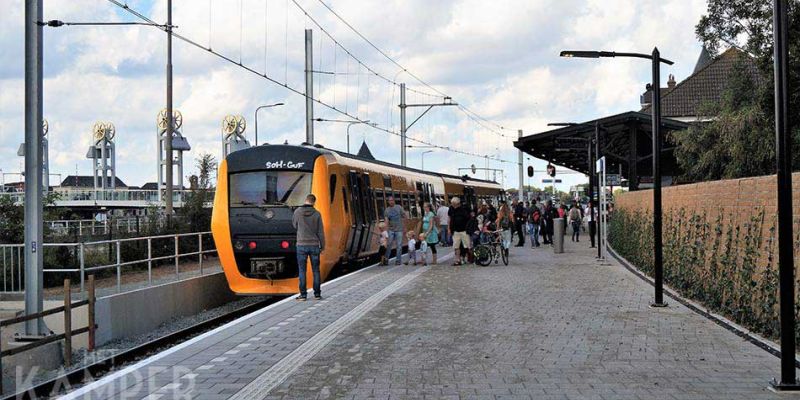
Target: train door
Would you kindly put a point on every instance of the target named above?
(356, 213)
(368, 197)
(469, 197)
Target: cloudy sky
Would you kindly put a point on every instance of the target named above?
(498, 58)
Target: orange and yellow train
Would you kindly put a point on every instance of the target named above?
(258, 189)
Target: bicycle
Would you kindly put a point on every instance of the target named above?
(491, 250)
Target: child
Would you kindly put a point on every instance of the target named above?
(412, 248)
(384, 240)
(422, 249)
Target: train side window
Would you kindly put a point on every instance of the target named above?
(344, 199)
(387, 181)
(379, 202)
(333, 187)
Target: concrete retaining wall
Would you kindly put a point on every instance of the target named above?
(140, 311)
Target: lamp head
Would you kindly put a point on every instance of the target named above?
(580, 54)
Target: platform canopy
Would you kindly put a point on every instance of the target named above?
(625, 141)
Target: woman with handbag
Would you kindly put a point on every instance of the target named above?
(430, 229)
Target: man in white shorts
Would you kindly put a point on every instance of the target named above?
(459, 216)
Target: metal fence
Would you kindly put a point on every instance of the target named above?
(94, 227)
(108, 195)
(107, 257)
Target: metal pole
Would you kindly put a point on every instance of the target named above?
(521, 178)
(170, 122)
(256, 118)
(657, 250)
(104, 163)
(403, 124)
(592, 220)
(33, 165)
(348, 137)
(113, 155)
(67, 323)
(309, 88)
(46, 166)
(783, 144)
(599, 188)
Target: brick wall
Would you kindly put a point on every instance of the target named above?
(734, 201)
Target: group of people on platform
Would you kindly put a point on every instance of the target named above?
(457, 225)
(460, 226)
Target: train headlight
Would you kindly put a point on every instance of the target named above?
(269, 214)
(239, 245)
(251, 245)
(285, 244)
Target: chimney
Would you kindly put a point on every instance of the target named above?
(671, 82)
(647, 97)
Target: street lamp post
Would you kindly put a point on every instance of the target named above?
(783, 150)
(349, 124)
(656, 60)
(423, 157)
(348, 132)
(410, 146)
(256, 116)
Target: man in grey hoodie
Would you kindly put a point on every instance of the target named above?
(310, 243)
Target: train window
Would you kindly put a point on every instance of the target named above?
(387, 181)
(344, 199)
(379, 202)
(333, 187)
(285, 188)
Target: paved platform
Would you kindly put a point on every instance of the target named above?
(545, 327)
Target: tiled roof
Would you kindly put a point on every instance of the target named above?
(705, 85)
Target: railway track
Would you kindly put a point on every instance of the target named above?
(45, 389)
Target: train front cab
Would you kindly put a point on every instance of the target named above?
(257, 192)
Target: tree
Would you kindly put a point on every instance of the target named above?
(12, 218)
(194, 207)
(739, 141)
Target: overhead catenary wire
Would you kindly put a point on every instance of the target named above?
(463, 108)
(311, 18)
(230, 60)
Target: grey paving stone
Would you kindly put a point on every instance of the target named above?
(545, 327)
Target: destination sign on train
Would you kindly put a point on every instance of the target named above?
(284, 164)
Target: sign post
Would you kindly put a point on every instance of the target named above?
(602, 215)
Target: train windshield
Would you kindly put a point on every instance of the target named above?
(269, 188)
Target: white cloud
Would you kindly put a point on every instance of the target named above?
(498, 58)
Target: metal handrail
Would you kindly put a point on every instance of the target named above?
(16, 269)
